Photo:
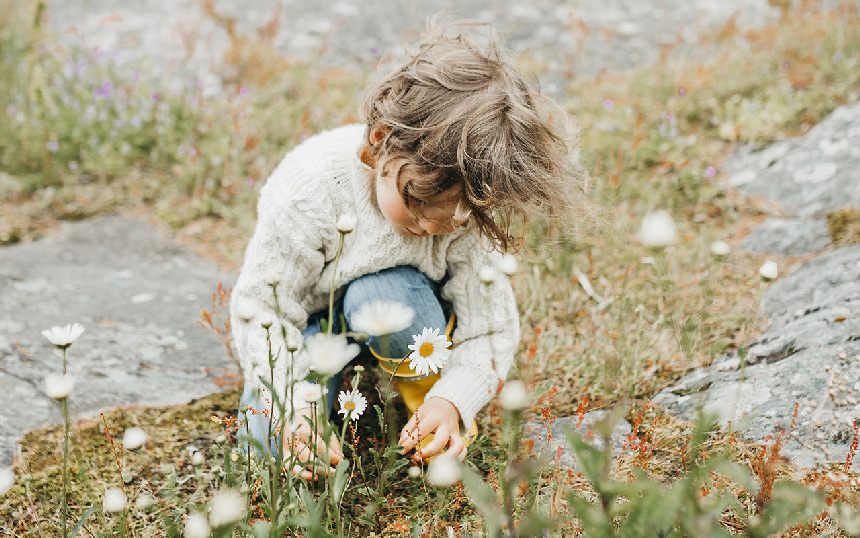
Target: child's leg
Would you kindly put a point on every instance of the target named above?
(410, 287)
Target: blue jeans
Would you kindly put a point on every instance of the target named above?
(403, 284)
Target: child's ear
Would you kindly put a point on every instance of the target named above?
(377, 134)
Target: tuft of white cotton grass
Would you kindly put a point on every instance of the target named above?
(133, 438)
(114, 501)
(657, 230)
(196, 526)
(329, 353)
(514, 396)
(7, 480)
(443, 472)
(63, 337)
(59, 386)
(378, 318)
(769, 271)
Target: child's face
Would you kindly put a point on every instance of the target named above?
(437, 213)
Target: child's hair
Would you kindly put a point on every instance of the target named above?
(463, 117)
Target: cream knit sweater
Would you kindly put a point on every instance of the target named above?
(295, 242)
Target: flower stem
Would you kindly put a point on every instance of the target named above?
(331, 288)
(64, 407)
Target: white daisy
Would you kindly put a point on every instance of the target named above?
(509, 264)
(377, 318)
(720, 249)
(657, 229)
(225, 508)
(59, 386)
(429, 352)
(352, 404)
(63, 337)
(198, 459)
(114, 500)
(487, 274)
(309, 392)
(329, 353)
(133, 438)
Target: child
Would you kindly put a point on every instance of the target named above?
(453, 150)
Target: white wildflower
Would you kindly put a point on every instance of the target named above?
(329, 353)
(657, 229)
(769, 271)
(114, 500)
(352, 403)
(346, 223)
(246, 309)
(63, 337)
(196, 526)
(487, 274)
(133, 438)
(272, 277)
(309, 392)
(7, 480)
(429, 351)
(144, 501)
(514, 396)
(225, 508)
(59, 386)
(720, 249)
(415, 471)
(267, 320)
(509, 264)
(197, 459)
(377, 318)
(443, 471)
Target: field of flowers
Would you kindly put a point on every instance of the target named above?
(647, 287)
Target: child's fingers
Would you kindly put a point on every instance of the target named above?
(457, 447)
(410, 435)
(440, 440)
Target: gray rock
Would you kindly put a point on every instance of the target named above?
(133, 351)
(810, 175)
(550, 442)
(788, 237)
(568, 38)
(809, 355)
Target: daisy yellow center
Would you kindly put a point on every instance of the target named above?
(349, 406)
(426, 349)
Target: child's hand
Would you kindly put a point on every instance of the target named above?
(307, 449)
(439, 417)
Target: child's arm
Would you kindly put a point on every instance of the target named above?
(485, 340)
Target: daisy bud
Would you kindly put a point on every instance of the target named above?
(769, 271)
(487, 274)
(720, 249)
(443, 472)
(7, 480)
(59, 386)
(225, 508)
(415, 471)
(346, 223)
(273, 278)
(509, 264)
(657, 230)
(514, 396)
(267, 320)
(197, 459)
(133, 438)
(196, 526)
(114, 501)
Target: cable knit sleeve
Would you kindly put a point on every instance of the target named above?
(487, 332)
(284, 259)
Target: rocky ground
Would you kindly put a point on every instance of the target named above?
(139, 295)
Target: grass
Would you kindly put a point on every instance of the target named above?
(74, 147)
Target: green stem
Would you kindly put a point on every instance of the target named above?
(331, 288)
(64, 360)
(64, 407)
